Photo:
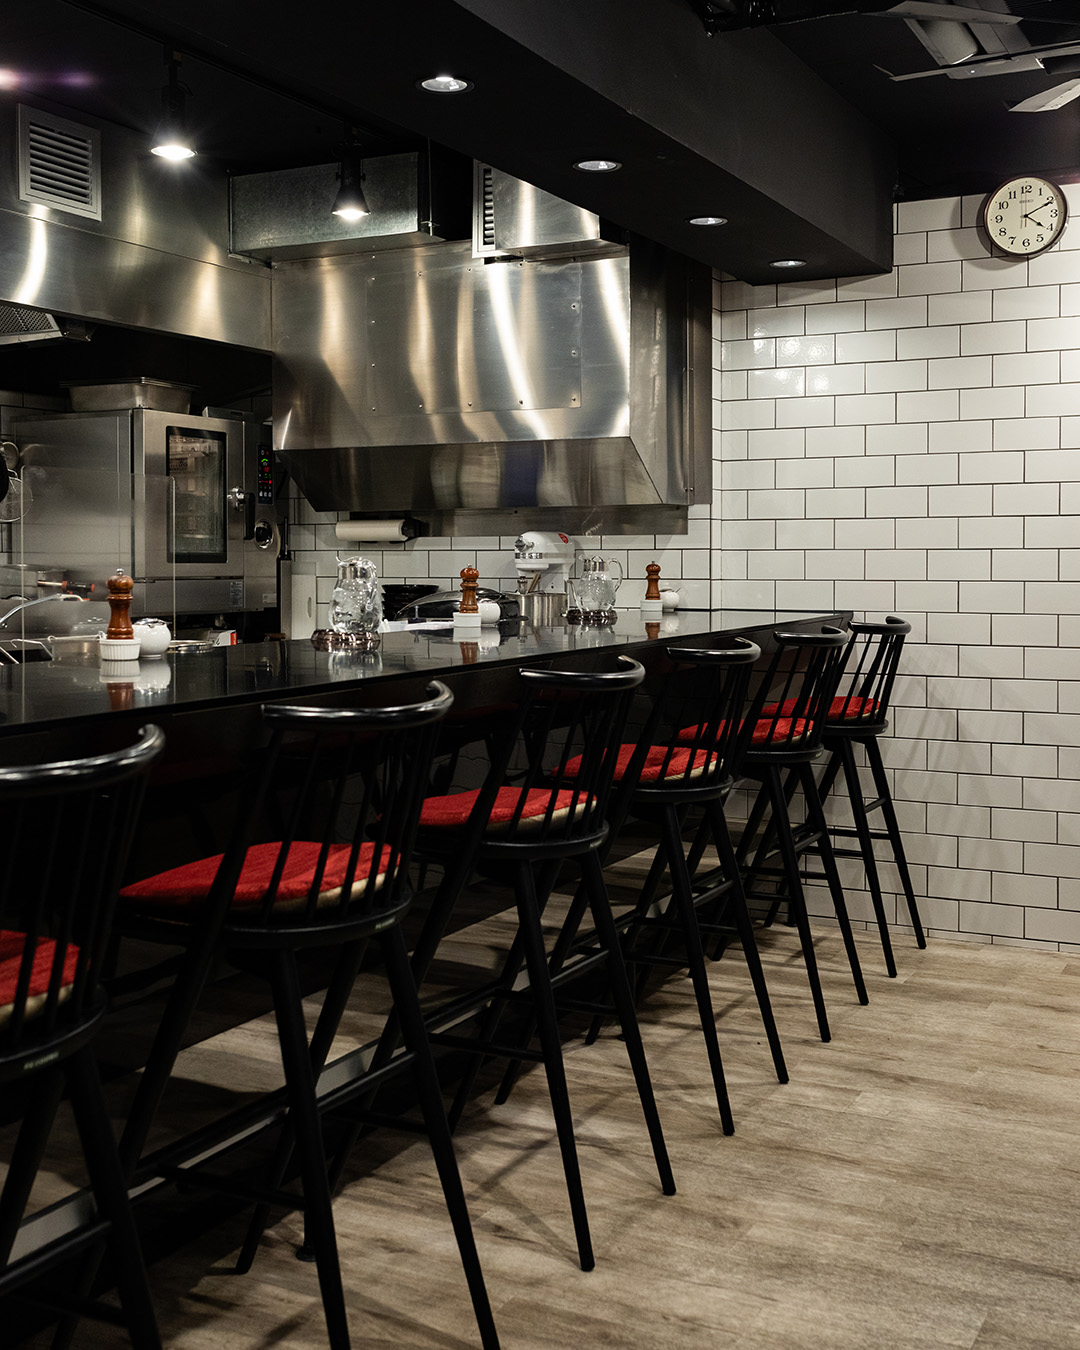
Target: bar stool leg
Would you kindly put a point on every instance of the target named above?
(737, 899)
(336, 1000)
(403, 990)
(548, 1027)
(561, 950)
(307, 1125)
(866, 846)
(888, 811)
(683, 898)
(796, 898)
(111, 1197)
(30, 1145)
(593, 879)
(815, 818)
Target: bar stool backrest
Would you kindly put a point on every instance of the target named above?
(68, 827)
(791, 704)
(866, 683)
(555, 770)
(330, 828)
(689, 744)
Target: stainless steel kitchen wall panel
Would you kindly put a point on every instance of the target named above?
(145, 200)
(434, 347)
(158, 258)
(510, 338)
(54, 267)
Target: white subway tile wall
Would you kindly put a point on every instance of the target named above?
(929, 468)
(684, 559)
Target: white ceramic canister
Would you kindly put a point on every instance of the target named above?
(154, 636)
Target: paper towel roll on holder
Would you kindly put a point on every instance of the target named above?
(384, 530)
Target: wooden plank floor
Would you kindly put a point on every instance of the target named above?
(916, 1184)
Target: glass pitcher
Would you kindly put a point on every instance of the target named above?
(598, 585)
(356, 604)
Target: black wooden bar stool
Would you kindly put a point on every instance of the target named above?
(859, 715)
(789, 720)
(528, 818)
(344, 787)
(683, 760)
(70, 826)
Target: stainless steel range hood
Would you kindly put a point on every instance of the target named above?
(484, 393)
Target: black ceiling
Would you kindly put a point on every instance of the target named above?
(274, 81)
(951, 135)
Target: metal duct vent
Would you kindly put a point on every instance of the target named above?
(19, 323)
(59, 163)
(486, 194)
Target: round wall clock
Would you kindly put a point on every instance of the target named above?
(1024, 216)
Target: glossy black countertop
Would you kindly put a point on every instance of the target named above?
(48, 695)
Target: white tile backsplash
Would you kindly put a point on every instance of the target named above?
(934, 471)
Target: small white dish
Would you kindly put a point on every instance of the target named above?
(119, 649)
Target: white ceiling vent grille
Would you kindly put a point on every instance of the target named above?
(59, 163)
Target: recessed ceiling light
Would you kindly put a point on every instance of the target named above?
(706, 220)
(445, 84)
(598, 165)
(788, 262)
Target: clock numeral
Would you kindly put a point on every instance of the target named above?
(1039, 238)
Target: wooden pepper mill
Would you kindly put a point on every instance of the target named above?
(652, 604)
(467, 615)
(120, 588)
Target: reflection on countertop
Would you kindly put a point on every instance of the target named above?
(50, 694)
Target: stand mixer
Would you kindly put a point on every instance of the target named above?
(543, 562)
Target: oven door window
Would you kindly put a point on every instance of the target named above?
(195, 461)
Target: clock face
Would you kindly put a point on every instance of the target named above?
(1025, 216)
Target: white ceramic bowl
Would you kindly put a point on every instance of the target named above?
(119, 649)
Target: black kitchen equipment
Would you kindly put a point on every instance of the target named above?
(396, 595)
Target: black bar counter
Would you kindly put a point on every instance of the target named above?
(71, 700)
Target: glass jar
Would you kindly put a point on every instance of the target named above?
(356, 603)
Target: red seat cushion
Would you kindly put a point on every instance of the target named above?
(654, 763)
(765, 730)
(451, 812)
(840, 709)
(12, 943)
(190, 884)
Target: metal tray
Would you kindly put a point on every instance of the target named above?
(135, 392)
(189, 645)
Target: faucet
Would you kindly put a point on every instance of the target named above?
(26, 604)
